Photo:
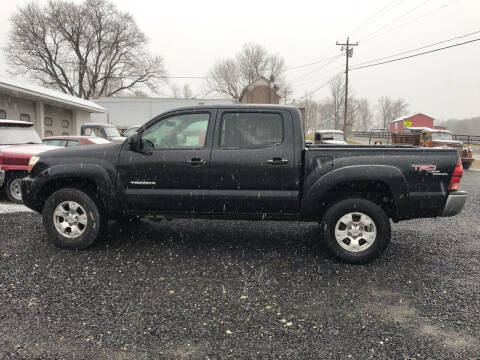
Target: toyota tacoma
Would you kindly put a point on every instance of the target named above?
(243, 162)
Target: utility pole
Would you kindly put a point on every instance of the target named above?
(348, 54)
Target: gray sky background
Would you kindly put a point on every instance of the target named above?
(192, 35)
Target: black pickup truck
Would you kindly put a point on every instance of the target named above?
(243, 162)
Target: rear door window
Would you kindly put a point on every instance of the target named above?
(241, 130)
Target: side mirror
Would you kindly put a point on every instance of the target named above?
(133, 141)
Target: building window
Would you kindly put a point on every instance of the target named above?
(48, 121)
(25, 117)
(48, 133)
(3, 114)
(65, 124)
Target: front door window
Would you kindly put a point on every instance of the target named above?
(177, 132)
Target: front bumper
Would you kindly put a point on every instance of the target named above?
(455, 203)
(2, 177)
(29, 194)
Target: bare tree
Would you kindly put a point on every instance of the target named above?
(337, 94)
(317, 114)
(391, 109)
(364, 114)
(352, 114)
(175, 90)
(311, 117)
(230, 76)
(84, 49)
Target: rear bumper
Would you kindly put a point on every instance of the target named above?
(2, 177)
(455, 203)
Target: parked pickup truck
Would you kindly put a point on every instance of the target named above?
(243, 162)
(18, 143)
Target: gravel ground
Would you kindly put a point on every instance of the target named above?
(209, 289)
(6, 208)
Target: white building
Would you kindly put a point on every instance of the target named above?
(124, 112)
(52, 112)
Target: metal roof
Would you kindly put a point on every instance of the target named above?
(16, 122)
(409, 116)
(49, 96)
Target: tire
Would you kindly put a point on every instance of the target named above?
(87, 221)
(466, 165)
(369, 233)
(13, 187)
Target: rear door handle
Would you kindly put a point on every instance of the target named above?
(195, 162)
(277, 161)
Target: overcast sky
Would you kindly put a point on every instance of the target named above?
(192, 35)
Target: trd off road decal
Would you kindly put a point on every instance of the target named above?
(429, 168)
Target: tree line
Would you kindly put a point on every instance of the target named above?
(328, 113)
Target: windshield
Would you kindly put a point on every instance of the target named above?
(13, 135)
(112, 131)
(333, 136)
(442, 136)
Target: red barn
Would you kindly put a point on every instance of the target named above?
(417, 120)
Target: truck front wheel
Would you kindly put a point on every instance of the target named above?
(356, 230)
(72, 219)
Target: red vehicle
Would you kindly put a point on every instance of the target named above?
(18, 143)
(68, 141)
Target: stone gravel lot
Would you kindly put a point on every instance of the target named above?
(195, 289)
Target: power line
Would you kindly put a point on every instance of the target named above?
(376, 16)
(325, 83)
(319, 68)
(318, 79)
(415, 55)
(420, 48)
(313, 63)
(412, 20)
(395, 20)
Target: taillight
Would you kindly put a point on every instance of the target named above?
(456, 176)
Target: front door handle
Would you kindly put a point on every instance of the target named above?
(277, 161)
(195, 162)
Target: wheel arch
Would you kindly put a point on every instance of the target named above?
(92, 179)
(383, 184)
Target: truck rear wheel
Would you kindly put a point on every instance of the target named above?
(466, 164)
(356, 230)
(13, 187)
(72, 219)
